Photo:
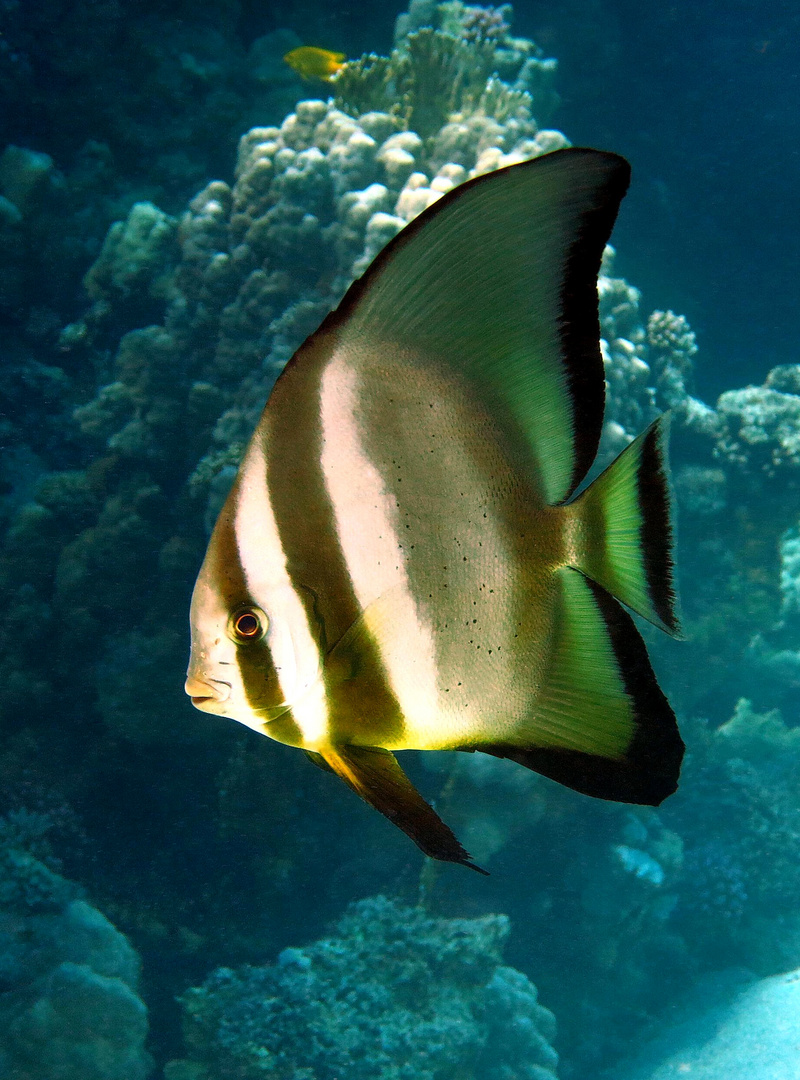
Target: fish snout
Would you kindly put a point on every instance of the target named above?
(206, 693)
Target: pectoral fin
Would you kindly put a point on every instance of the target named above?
(358, 652)
(375, 775)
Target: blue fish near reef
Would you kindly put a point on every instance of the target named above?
(403, 563)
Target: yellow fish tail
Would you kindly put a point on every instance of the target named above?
(623, 530)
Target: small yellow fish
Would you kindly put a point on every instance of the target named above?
(313, 63)
(403, 562)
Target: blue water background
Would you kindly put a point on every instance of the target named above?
(209, 848)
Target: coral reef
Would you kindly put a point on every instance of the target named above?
(69, 1004)
(518, 62)
(738, 815)
(468, 69)
(735, 479)
(136, 109)
(51, 224)
(392, 994)
(760, 428)
(609, 874)
(672, 351)
(125, 427)
(229, 293)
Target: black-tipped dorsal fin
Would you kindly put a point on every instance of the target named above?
(498, 281)
(376, 776)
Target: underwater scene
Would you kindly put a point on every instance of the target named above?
(520, 521)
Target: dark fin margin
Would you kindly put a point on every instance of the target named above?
(655, 500)
(649, 771)
(580, 284)
(580, 337)
(375, 775)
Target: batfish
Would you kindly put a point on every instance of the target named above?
(406, 559)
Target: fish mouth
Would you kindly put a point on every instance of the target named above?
(207, 694)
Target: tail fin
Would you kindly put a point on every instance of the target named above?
(624, 529)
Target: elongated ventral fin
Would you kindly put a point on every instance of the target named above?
(497, 283)
(318, 760)
(602, 724)
(625, 528)
(375, 775)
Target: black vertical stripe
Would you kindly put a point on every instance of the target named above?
(306, 524)
(260, 682)
(580, 319)
(657, 538)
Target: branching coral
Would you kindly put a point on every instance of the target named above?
(517, 61)
(423, 83)
(484, 23)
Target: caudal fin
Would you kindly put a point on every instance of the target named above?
(624, 529)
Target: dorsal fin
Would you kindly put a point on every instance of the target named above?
(498, 281)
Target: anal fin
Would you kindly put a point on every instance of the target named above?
(375, 775)
(601, 724)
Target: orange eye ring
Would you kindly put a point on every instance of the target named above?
(249, 624)
(246, 625)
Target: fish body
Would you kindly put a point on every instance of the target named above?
(402, 562)
(313, 63)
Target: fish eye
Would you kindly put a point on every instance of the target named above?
(248, 624)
